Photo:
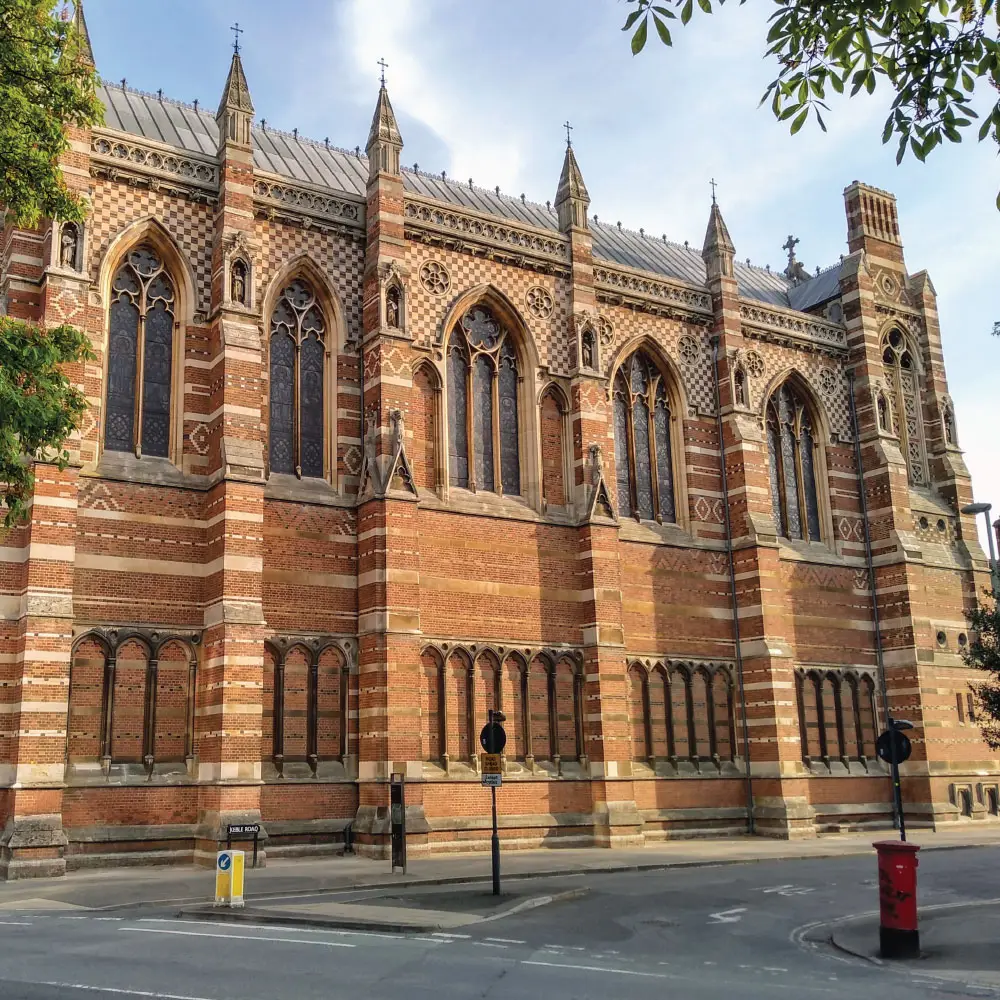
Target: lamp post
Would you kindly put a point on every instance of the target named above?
(985, 508)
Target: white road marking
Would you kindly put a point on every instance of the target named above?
(490, 944)
(728, 916)
(15, 923)
(239, 937)
(299, 930)
(128, 993)
(506, 940)
(788, 890)
(773, 968)
(445, 934)
(600, 968)
(108, 918)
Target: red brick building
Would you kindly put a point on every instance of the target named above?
(370, 451)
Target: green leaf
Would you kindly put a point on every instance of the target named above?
(639, 39)
(705, 5)
(662, 31)
(800, 121)
(687, 11)
(632, 18)
(822, 124)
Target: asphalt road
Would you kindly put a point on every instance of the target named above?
(698, 933)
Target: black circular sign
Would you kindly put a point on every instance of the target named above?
(884, 749)
(493, 738)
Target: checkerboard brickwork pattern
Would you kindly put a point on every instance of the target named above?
(116, 206)
(551, 335)
(475, 570)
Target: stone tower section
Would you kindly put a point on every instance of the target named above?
(388, 542)
(916, 484)
(44, 283)
(233, 641)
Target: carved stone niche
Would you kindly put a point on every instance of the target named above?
(588, 343)
(393, 300)
(238, 290)
(67, 252)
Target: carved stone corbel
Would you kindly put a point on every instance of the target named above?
(599, 506)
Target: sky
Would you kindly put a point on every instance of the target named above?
(481, 89)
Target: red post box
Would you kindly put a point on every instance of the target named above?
(897, 898)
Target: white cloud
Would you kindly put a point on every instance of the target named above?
(433, 84)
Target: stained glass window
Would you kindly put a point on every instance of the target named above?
(621, 396)
(297, 370)
(458, 413)
(792, 457)
(140, 356)
(643, 451)
(483, 378)
(904, 380)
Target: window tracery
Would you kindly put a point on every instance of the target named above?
(901, 371)
(140, 356)
(643, 448)
(297, 374)
(483, 441)
(792, 452)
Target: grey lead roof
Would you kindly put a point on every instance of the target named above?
(276, 152)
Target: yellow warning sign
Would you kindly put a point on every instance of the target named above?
(229, 878)
(490, 763)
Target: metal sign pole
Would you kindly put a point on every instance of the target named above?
(897, 790)
(495, 839)
(495, 845)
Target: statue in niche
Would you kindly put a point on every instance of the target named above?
(740, 387)
(392, 308)
(588, 349)
(238, 282)
(69, 242)
(949, 426)
(883, 413)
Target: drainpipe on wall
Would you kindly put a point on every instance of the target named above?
(732, 584)
(863, 498)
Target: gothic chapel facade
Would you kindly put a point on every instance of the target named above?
(371, 451)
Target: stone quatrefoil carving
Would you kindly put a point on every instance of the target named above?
(539, 302)
(435, 278)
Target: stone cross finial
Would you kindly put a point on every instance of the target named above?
(384, 66)
(712, 182)
(237, 31)
(569, 128)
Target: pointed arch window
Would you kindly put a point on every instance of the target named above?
(792, 448)
(140, 356)
(483, 377)
(644, 458)
(903, 379)
(297, 376)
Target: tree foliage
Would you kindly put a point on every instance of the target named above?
(39, 405)
(46, 83)
(931, 53)
(983, 653)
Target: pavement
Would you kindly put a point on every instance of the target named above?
(959, 942)
(111, 889)
(704, 931)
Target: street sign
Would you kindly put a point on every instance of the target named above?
(243, 829)
(492, 780)
(491, 763)
(493, 738)
(903, 746)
